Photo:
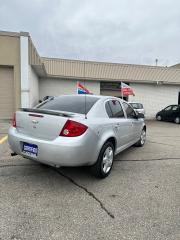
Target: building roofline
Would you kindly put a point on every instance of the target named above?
(175, 66)
(14, 34)
(104, 62)
(69, 68)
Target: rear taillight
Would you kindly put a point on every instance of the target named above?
(14, 120)
(73, 129)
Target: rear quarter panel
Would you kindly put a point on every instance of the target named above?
(103, 129)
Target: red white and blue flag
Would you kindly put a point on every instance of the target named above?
(126, 90)
(82, 90)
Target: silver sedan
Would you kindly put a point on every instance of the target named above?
(77, 130)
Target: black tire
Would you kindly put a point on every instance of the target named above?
(142, 139)
(98, 168)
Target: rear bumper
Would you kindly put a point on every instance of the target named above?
(61, 151)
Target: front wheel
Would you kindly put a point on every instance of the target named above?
(103, 166)
(159, 118)
(142, 139)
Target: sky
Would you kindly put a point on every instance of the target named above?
(123, 31)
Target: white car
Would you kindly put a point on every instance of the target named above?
(76, 130)
(138, 107)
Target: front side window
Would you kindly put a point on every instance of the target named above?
(174, 108)
(114, 109)
(129, 110)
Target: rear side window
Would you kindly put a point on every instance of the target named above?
(114, 109)
(108, 110)
(74, 104)
(129, 111)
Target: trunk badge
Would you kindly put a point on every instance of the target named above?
(34, 121)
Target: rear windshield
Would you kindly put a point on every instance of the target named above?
(75, 104)
(136, 105)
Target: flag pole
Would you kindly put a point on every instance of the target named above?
(84, 73)
(77, 84)
(121, 91)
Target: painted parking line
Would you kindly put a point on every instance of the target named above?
(2, 140)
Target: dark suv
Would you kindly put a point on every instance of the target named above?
(170, 113)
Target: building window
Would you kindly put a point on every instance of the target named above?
(113, 86)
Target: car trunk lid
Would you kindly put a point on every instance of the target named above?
(41, 124)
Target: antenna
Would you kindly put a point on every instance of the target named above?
(156, 60)
(84, 86)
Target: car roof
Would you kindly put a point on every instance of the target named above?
(135, 102)
(91, 96)
(172, 105)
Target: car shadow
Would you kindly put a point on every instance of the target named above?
(84, 172)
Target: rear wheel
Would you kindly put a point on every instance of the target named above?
(177, 120)
(142, 139)
(103, 166)
(158, 117)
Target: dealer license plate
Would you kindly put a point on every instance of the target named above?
(30, 149)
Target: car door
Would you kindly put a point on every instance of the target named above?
(119, 122)
(167, 112)
(133, 120)
(178, 111)
(174, 112)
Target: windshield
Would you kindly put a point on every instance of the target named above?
(74, 104)
(136, 105)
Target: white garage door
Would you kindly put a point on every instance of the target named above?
(6, 92)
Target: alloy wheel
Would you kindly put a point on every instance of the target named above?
(177, 120)
(107, 159)
(159, 118)
(143, 137)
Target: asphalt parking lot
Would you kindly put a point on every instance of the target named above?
(140, 200)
